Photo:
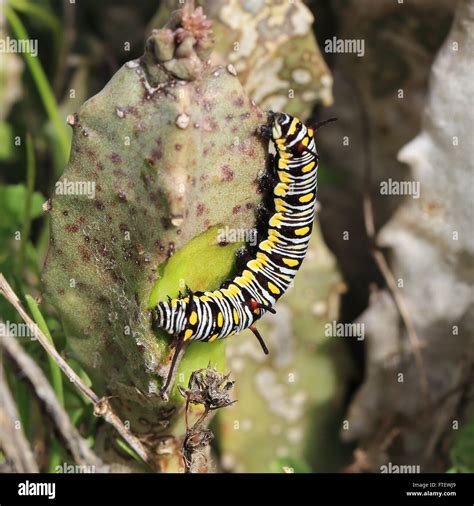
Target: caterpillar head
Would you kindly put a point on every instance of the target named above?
(281, 123)
(280, 126)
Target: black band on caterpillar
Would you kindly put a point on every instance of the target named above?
(208, 316)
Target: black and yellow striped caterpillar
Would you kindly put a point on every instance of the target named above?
(239, 303)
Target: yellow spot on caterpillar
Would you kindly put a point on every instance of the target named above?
(280, 205)
(308, 167)
(302, 231)
(188, 334)
(283, 154)
(186, 300)
(282, 164)
(213, 337)
(306, 198)
(204, 298)
(193, 317)
(280, 142)
(220, 319)
(276, 220)
(174, 302)
(280, 189)
(241, 281)
(284, 176)
(233, 290)
(273, 233)
(231, 334)
(248, 276)
(273, 288)
(293, 126)
(310, 132)
(218, 295)
(305, 141)
(236, 316)
(266, 245)
(291, 262)
(254, 265)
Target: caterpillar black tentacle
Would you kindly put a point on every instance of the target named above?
(239, 303)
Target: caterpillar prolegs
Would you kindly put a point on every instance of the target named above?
(238, 304)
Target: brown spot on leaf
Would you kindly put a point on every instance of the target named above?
(72, 228)
(200, 209)
(227, 174)
(156, 154)
(115, 157)
(85, 255)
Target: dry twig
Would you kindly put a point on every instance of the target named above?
(12, 440)
(102, 405)
(378, 255)
(78, 446)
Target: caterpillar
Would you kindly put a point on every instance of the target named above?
(239, 303)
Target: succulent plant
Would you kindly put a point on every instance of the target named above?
(162, 158)
(273, 49)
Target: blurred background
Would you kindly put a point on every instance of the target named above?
(373, 364)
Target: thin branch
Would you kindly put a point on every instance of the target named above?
(102, 405)
(78, 446)
(378, 255)
(13, 440)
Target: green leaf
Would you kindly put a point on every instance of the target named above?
(42, 84)
(12, 206)
(180, 270)
(127, 449)
(6, 141)
(462, 451)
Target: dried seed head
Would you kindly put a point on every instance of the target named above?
(208, 387)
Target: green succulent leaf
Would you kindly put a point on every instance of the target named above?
(186, 268)
(462, 451)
